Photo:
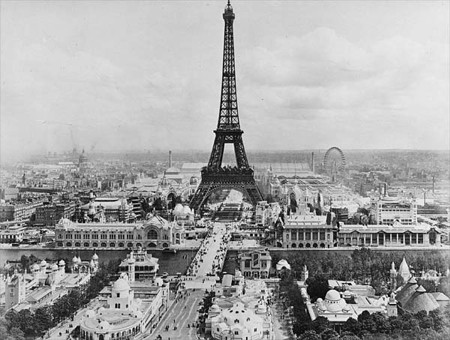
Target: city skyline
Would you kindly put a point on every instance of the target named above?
(116, 76)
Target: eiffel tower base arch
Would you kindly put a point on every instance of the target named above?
(222, 179)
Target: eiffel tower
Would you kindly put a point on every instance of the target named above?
(214, 175)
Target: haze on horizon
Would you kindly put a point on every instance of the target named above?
(145, 75)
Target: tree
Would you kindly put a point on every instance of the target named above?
(444, 285)
(425, 321)
(349, 336)
(367, 322)
(438, 319)
(320, 324)
(352, 325)
(16, 334)
(382, 324)
(25, 321)
(317, 287)
(43, 320)
(309, 335)
(329, 334)
(300, 327)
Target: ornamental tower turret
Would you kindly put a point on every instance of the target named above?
(131, 267)
(393, 277)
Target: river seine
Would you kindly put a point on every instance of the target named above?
(168, 262)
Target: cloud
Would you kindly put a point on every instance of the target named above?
(51, 93)
(321, 77)
(98, 84)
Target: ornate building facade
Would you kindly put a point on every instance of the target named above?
(155, 232)
(307, 231)
(127, 311)
(255, 264)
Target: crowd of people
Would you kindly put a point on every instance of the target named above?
(194, 268)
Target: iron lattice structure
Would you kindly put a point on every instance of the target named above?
(214, 175)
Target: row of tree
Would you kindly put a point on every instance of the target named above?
(366, 266)
(434, 326)
(203, 311)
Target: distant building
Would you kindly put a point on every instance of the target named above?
(388, 211)
(112, 209)
(183, 214)
(244, 315)
(421, 235)
(230, 285)
(18, 211)
(44, 283)
(139, 266)
(337, 308)
(51, 214)
(128, 311)
(12, 234)
(8, 194)
(14, 290)
(255, 264)
(155, 232)
(266, 213)
(413, 297)
(307, 231)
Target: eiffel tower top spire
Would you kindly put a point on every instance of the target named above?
(228, 115)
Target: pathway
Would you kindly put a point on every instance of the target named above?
(179, 321)
(211, 255)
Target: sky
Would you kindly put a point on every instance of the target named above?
(146, 75)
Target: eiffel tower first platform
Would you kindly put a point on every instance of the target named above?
(214, 175)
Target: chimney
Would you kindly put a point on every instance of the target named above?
(312, 163)
(170, 158)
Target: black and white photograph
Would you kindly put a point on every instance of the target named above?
(225, 169)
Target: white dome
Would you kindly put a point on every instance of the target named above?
(178, 210)
(75, 259)
(333, 307)
(239, 316)
(95, 257)
(332, 295)
(121, 284)
(283, 263)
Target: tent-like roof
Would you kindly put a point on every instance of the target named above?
(421, 300)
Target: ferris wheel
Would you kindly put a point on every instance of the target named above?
(334, 161)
